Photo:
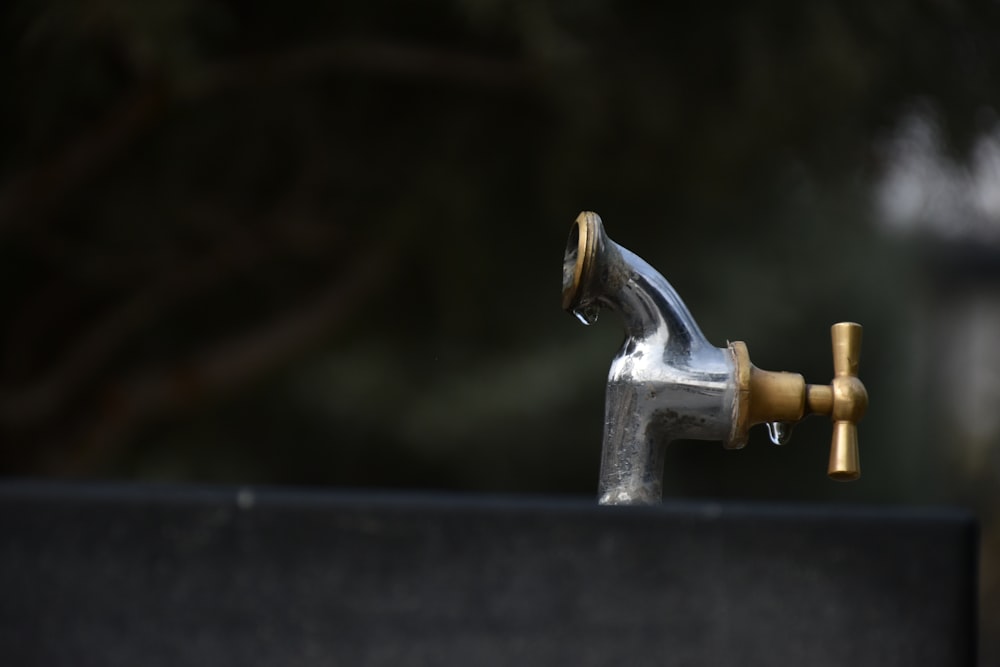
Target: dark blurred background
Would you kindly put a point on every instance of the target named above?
(321, 243)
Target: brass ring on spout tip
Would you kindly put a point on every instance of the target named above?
(580, 249)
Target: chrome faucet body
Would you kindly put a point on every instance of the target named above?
(668, 382)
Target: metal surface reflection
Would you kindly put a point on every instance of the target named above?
(668, 382)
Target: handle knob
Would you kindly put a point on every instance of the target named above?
(849, 401)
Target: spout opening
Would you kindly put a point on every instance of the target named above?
(580, 247)
(571, 265)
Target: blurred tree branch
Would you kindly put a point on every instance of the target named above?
(223, 367)
(93, 348)
(376, 58)
(39, 191)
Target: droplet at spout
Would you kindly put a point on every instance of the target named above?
(587, 314)
(780, 432)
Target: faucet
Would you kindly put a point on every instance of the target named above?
(669, 383)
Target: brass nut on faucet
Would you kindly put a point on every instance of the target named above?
(763, 396)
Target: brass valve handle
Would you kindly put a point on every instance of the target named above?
(770, 397)
(847, 401)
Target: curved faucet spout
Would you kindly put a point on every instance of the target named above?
(604, 274)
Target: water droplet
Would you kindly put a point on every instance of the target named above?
(587, 314)
(780, 432)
